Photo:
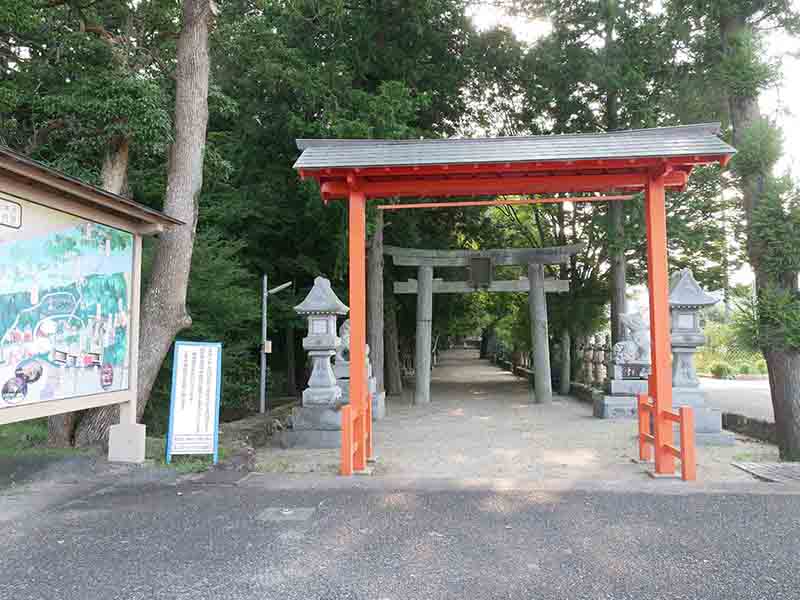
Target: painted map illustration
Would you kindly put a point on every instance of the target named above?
(64, 307)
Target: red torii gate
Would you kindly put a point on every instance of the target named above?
(649, 160)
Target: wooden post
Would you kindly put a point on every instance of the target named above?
(688, 456)
(644, 427)
(358, 324)
(658, 287)
(422, 350)
(537, 304)
(346, 458)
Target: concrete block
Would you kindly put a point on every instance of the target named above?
(378, 406)
(615, 407)
(310, 438)
(126, 443)
(627, 387)
(707, 420)
(316, 417)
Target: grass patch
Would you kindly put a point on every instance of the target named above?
(156, 450)
(30, 438)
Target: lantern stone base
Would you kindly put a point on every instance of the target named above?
(311, 438)
(314, 427)
(126, 443)
(707, 420)
(316, 417)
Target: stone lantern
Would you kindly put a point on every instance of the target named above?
(318, 423)
(686, 300)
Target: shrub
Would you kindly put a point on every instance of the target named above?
(721, 370)
(745, 369)
(761, 366)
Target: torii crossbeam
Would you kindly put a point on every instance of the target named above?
(648, 160)
(533, 259)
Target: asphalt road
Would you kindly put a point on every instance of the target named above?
(750, 398)
(151, 537)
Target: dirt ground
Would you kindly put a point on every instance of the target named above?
(482, 423)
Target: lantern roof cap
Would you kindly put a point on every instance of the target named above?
(685, 291)
(321, 300)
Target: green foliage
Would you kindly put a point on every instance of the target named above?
(726, 344)
(722, 370)
(224, 302)
(772, 320)
(758, 149)
(744, 369)
(742, 69)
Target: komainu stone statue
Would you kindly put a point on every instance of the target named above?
(636, 347)
(343, 352)
(629, 370)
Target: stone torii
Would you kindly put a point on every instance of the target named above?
(480, 265)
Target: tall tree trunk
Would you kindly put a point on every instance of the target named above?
(783, 366)
(616, 223)
(394, 374)
(375, 302)
(115, 166)
(164, 311)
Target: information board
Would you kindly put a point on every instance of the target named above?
(194, 405)
(65, 305)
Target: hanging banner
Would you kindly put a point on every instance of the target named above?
(194, 404)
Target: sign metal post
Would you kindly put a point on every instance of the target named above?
(266, 345)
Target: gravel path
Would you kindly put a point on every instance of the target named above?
(482, 424)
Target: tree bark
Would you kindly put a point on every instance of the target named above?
(59, 430)
(784, 383)
(164, 312)
(616, 223)
(115, 166)
(375, 302)
(783, 366)
(394, 373)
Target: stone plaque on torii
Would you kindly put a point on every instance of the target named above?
(481, 264)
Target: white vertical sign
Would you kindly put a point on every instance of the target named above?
(194, 406)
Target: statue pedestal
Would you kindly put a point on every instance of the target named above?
(628, 380)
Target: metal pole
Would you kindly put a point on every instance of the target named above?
(262, 407)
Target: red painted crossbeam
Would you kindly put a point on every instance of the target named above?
(509, 202)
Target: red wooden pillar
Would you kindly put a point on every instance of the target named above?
(358, 325)
(660, 387)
